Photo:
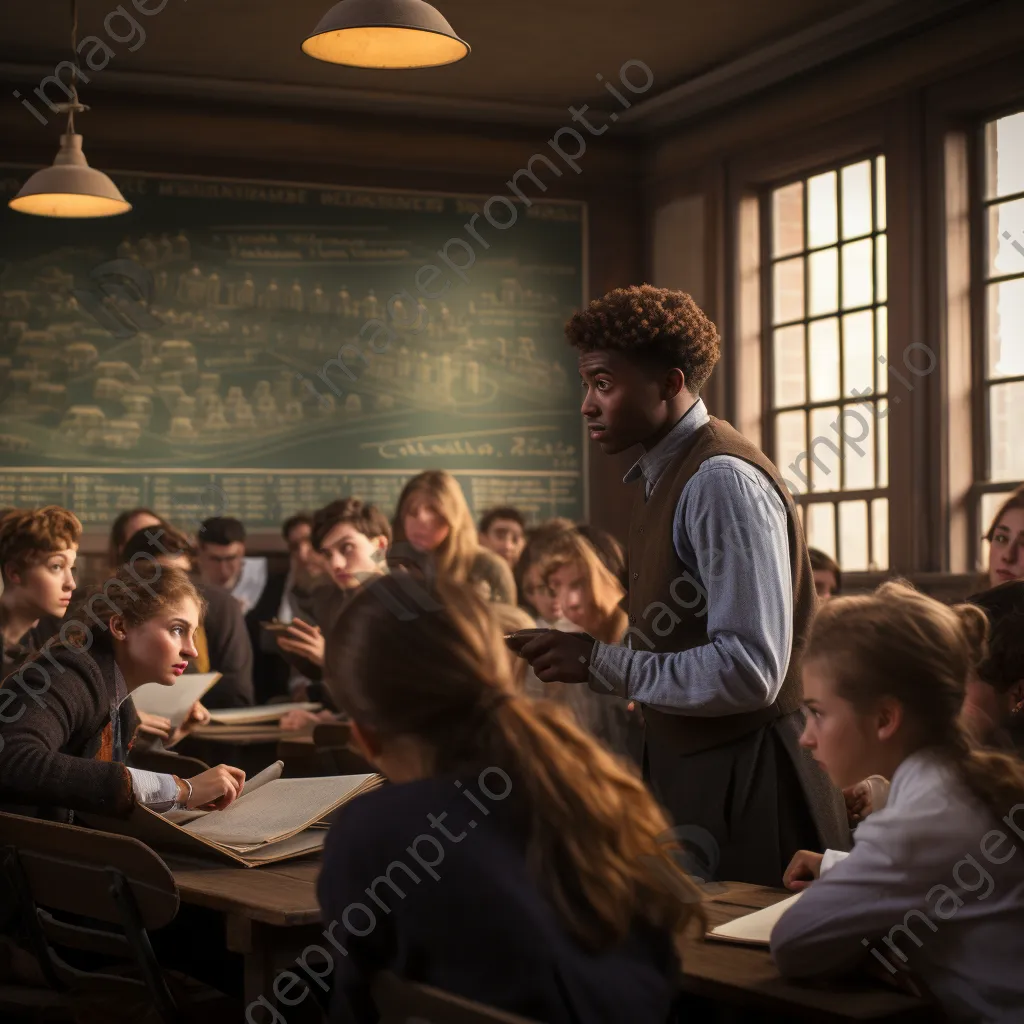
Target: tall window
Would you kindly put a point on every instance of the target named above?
(824, 298)
(1000, 365)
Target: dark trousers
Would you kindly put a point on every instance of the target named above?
(740, 810)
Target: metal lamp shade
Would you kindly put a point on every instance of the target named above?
(385, 34)
(70, 188)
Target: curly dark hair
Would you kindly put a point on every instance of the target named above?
(655, 326)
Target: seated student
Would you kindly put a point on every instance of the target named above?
(38, 548)
(352, 540)
(222, 644)
(828, 577)
(534, 594)
(995, 691)
(220, 561)
(503, 531)
(126, 525)
(434, 536)
(1006, 541)
(933, 885)
(68, 724)
(280, 600)
(556, 900)
(590, 595)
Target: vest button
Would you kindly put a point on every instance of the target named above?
(636, 575)
(641, 530)
(632, 620)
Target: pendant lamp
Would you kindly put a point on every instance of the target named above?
(385, 34)
(70, 188)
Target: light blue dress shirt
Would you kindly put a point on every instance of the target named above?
(731, 535)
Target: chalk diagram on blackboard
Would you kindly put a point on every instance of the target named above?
(197, 342)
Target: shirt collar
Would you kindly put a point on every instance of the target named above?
(652, 464)
(120, 687)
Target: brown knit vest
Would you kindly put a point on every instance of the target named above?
(668, 606)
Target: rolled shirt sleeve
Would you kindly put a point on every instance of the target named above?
(155, 790)
(731, 533)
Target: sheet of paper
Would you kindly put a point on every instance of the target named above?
(263, 713)
(755, 928)
(174, 701)
(276, 810)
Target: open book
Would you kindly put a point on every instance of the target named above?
(174, 702)
(258, 715)
(272, 820)
(753, 929)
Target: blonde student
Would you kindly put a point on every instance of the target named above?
(435, 537)
(67, 722)
(526, 865)
(934, 885)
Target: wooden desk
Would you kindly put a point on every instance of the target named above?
(746, 977)
(271, 915)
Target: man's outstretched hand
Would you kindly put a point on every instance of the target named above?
(557, 657)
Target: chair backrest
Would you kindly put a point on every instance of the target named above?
(401, 1002)
(68, 869)
(71, 887)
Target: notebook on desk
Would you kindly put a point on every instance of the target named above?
(273, 820)
(753, 929)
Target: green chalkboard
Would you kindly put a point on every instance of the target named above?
(250, 349)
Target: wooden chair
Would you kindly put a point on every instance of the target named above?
(100, 895)
(167, 762)
(330, 741)
(405, 1002)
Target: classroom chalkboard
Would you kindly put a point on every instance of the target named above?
(252, 349)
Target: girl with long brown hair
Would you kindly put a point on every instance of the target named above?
(934, 884)
(590, 595)
(1006, 541)
(435, 536)
(525, 865)
(69, 722)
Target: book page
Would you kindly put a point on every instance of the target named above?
(755, 928)
(277, 810)
(269, 774)
(263, 713)
(175, 701)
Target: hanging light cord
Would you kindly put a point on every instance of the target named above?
(74, 104)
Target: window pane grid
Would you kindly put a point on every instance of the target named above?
(1001, 235)
(834, 405)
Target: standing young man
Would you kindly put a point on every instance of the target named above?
(720, 597)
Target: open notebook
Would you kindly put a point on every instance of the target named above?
(272, 820)
(174, 702)
(753, 929)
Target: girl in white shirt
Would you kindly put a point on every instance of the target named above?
(935, 882)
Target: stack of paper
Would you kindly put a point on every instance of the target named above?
(258, 715)
(753, 929)
(272, 820)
